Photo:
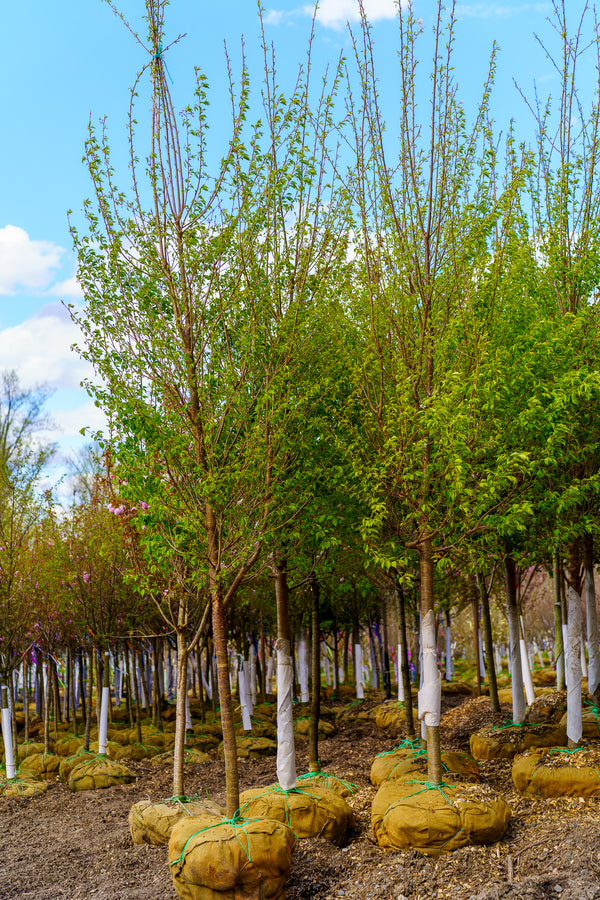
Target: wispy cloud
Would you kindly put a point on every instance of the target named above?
(500, 11)
(26, 264)
(336, 13)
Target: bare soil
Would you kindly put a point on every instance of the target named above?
(65, 845)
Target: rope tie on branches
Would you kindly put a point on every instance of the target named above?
(158, 56)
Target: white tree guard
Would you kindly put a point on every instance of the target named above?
(118, 676)
(399, 669)
(269, 676)
(527, 679)
(449, 664)
(359, 671)
(584, 668)
(11, 769)
(251, 683)
(303, 670)
(574, 711)
(103, 726)
(244, 698)
(430, 693)
(516, 670)
(286, 753)
(592, 633)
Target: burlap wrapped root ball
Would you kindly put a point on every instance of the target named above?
(590, 723)
(558, 773)
(302, 728)
(68, 764)
(41, 765)
(137, 752)
(191, 755)
(153, 823)
(392, 714)
(549, 708)
(28, 749)
(309, 811)
(340, 786)
(68, 745)
(212, 859)
(251, 747)
(403, 763)
(23, 786)
(98, 774)
(506, 741)
(415, 815)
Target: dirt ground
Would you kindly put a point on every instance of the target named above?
(65, 845)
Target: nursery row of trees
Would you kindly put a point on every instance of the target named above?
(350, 345)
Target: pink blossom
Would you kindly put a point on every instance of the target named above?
(86, 577)
(144, 505)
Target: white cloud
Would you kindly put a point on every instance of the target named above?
(502, 11)
(336, 13)
(70, 421)
(69, 288)
(39, 349)
(26, 264)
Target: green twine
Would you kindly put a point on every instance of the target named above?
(159, 59)
(428, 786)
(403, 745)
(327, 778)
(235, 822)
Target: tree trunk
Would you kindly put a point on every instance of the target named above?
(286, 753)
(385, 654)
(516, 672)
(404, 669)
(136, 694)
(592, 619)
(47, 694)
(475, 608)
(88, 701)
(219, 623)
(574, 710)
(315, 706)
(180, 711)
(559, 647)
(26, 699)
(489, 643)
(431, 693)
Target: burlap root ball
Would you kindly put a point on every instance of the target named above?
(549, 708)
(28, 749)
(340, 786)
(590, 723)
(137, 752)
(252, 748)
(302, 728)
(41, 765)
(97, 774)
(558, 773)
(69, 763)
(391, 714)
(23, 786)
(506, 741)
(309, 811)
(191, 755)
(203, 742)
(403, 763)
(415, 815)
(68, 745)
(153, 823)
(217, 860)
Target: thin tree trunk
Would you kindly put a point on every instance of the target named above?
(13, 718)
(286, 753)
(180, 715)
(404, 666)
(516, 672)
(559, 645)
(26, 698)
(385, 655)
(88, 700)
(136, 695)
(475, 608)
(219, 623)
(72, 692)
(315, 706)
(574, 709)
(46, 707)
(592, 619)
(432, 684)
(489, 643)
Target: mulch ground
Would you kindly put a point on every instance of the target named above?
(64, 845)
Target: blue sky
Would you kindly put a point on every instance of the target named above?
(64, 62)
